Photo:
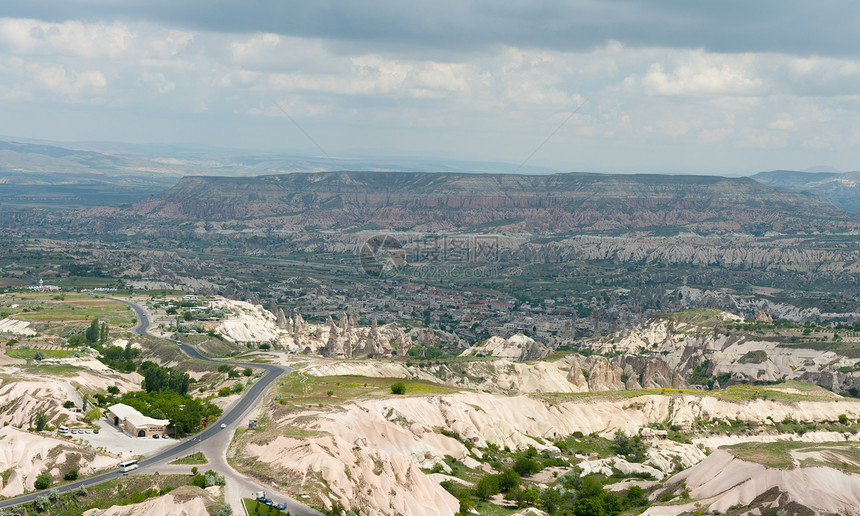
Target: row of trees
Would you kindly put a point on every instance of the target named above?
(160, 379)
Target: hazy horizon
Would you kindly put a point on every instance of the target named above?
(613, 87)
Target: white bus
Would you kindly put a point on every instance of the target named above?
(128, 465)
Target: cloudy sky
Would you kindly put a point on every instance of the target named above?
(728, 86)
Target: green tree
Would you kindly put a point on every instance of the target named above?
(508, 479)
(40, 420)
(487, 486)
(43, 481)
(589, 507)
(103, 333)
(113, 389)
(93, 414)
(38, 356)
(525, 466)
(398, 388)
(92, 333)
(72, 474)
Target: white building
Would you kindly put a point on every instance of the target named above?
(134, 423)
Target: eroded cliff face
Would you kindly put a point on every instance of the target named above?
(367, 454)
(440, 201)
(666, 351)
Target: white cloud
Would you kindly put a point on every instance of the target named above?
(705, 74)
(72, 38)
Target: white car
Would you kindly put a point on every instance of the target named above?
(223, 425)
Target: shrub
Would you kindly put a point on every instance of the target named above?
(508, 480)
(38, 355)
(247, 372)
(69, 404)
(224, 391)
(72, 474)
(113, 389)
(41, 503)
(525, 466)
(487, 486)
(398, 388)
(42, 481)
(225, 510)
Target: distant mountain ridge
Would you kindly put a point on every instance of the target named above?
(841, 188)
(554, 203)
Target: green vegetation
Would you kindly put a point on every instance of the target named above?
(187, 414)
(790, 454)
(208, 479)
(43, 481)
(123, 491)
(753, 357)
(160, 379)
(194, 458)
(587, 444)
(398, 388)
(255, 508)
(30, 354)
(40, 421)
(298, 390)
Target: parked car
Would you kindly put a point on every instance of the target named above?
(155, 436)
(74, 430)
(86, 430)
(95, 430)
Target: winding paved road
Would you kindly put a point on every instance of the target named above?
(213, 441)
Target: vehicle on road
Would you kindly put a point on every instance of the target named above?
(223, 425)
(128, 465)
(63, 429)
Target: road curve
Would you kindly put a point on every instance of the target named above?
(231, 416)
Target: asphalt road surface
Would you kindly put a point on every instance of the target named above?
(213, 441)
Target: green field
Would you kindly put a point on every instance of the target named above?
(299, 389)
(28, 354)
(56, 313)
(194, 458)
(842, 455)
(255, 508)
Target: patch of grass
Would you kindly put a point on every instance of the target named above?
(27, 354)
(255, 508)
(298, 389)
(587, 444)
(773, 455)
(51, 370)
(194, 458)
(788, 454)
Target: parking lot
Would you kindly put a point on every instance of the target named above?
(113, 440)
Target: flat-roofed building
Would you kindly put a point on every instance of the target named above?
(134, 423)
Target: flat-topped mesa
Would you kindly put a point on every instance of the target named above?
(506, 202)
